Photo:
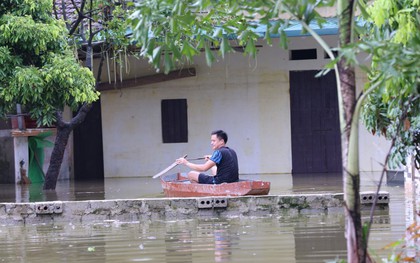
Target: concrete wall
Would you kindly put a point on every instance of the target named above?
(175, 208)
(247, 98)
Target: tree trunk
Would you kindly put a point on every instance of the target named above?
(63, 133)
(356, 251)
(354, 188)
(356, 243)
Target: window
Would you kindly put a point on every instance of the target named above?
(303, 54)
(174, 121)
(335, 52)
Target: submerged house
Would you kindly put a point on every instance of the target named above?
(279, 117)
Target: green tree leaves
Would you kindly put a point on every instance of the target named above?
(39, 10)
(38, 68)
(392, 36)
(174, 32)
(24, 34)
(185, 28)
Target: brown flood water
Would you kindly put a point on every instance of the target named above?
(291, 238)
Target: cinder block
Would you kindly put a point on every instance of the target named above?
(48, 208)
(205, 202)
(220, 202)
(58, 207)
(369, 197)
(383, 198)
(44, 208)
(212, 202)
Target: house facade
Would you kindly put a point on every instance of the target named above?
(276, 119)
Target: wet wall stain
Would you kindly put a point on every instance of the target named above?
(6, 160)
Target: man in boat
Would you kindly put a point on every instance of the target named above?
(223, 163)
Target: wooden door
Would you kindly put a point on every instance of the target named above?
(316, 142)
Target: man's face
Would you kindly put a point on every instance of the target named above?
(216, 143)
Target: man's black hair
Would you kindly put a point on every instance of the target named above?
(221, 135)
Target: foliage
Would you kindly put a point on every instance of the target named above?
(38, 69)
(179, 30)
(115, 29)
(115, 35)
(98, 29)
(40, 10)
(392, 37)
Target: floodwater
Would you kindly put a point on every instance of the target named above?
(290, 238)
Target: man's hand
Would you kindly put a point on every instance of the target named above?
(181, 161)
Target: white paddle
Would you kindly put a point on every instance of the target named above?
(167, 169)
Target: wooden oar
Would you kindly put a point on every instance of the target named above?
(167, 169)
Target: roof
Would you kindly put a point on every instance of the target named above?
(329, 27)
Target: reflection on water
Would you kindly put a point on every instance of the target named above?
(113, 188)
(299, 238)
(331, 182)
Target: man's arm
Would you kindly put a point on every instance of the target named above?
(197, 167)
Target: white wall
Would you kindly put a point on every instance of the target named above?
(247, 98)
(372, 149)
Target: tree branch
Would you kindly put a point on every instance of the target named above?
(81, 115)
